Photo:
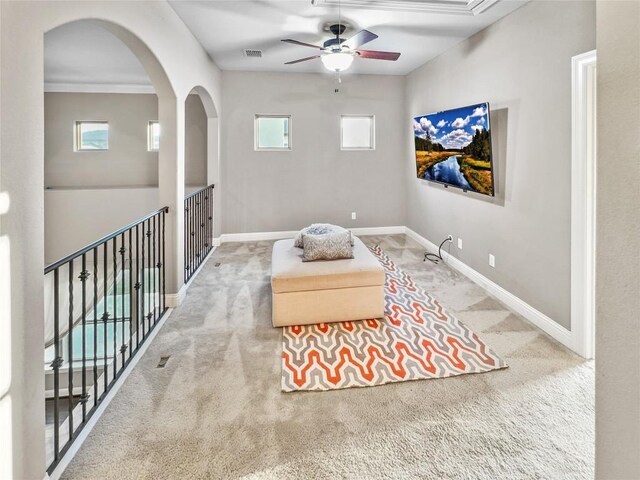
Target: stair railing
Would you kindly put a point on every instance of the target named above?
(101, 304)
(198, 229)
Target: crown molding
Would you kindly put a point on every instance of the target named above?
(96, 88)
(451, 7)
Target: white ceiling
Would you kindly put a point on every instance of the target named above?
(83, 53)
(412, 27)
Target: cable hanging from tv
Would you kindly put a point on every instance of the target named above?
(437, 257)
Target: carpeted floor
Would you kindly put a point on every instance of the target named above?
(216, 409)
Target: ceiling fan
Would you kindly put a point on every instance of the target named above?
(338, 53)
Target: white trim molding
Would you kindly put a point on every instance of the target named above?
(452, 7)
(266, 236)
(174, 300)
(537, 318)
(583, 195)
(97, 88)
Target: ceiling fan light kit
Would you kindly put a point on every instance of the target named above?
(338, 61)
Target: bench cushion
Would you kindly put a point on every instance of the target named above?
(290, 274)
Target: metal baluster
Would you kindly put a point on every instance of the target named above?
(186, 240)
(155, 274)
(137, 288)
(130, 295)
(191, 207)
(142, 286)
(123, 345)
(164, 281)
(114, 320)
(189, 252)
(95, 326)
(199, 228)
(192, 239)
(83, 278)
(149, 270)
(196, 231)
(57, 363)
(105, 316)
(208, 233)
(70, 352)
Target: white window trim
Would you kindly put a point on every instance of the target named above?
(150, 136)
(76, 137)
(256, 134)
(372, 133)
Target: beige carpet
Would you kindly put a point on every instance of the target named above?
(216, 409)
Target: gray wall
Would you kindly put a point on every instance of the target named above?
(127, 162)
(195, 148)
(74, 218)
(316, 181)
(618, 243)
(521, 65)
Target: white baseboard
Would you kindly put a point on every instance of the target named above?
(173, 300)
(262, 236)
(82, 436)
(256, 236)
(537, 318)
(365, 231)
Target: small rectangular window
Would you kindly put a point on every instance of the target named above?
(153, 136)
(357, 132)
(273, 132)
(91, 136)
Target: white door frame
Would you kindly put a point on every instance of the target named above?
(583, 206)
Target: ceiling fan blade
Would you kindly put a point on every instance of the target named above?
(296, 42)
(302, 60)
(359, 39)
(378, 55)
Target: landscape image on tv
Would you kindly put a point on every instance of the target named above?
(453, 147)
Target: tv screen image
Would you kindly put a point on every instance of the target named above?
(453, 147)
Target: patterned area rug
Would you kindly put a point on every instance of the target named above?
(418, 339)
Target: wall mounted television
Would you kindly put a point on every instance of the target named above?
(453, 147)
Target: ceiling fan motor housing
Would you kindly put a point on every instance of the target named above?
(337, 29)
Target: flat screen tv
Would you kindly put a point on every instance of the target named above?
(453, 148)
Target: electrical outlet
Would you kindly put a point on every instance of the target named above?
(450, 238)
(460, 243)
(492, 260)
(353, 215)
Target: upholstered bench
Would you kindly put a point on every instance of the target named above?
(325, 291)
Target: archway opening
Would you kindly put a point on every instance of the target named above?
(106, 96)
(201, 174)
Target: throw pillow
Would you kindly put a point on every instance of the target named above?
(317, 229)
(328, 246)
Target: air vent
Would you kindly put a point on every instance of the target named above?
(249, 52)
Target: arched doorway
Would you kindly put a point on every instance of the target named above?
(201, 175)
(123, 301)
(156, 35)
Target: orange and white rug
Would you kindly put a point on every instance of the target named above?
(417, 339)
